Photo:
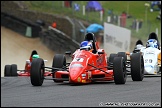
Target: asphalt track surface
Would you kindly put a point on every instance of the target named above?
(18, 91)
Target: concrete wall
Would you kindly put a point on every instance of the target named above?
(59, 39)
(24, 27)
(14, 8)
(19, 9)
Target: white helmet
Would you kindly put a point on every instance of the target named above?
(139, 46)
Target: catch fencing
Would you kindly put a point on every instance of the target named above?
(140, 28)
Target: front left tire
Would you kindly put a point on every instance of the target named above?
(37, 72)
(119, 69)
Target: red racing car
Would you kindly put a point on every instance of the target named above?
(87, 66)
(11, 70)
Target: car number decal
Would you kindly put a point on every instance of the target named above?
(78, 59)
(148, 60)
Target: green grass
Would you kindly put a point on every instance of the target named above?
(133, 8)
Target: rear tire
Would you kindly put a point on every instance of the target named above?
(62, 63)
(110, 60)
(7, 70)
(37, 72)
(122, 54)
(111, 57)
(137, 67)
(119, 70)
(14, 70)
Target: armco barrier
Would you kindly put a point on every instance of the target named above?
(58, 41)
(24, 27)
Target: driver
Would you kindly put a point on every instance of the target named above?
(28, 62)
(152, 43)
(33, 57)
(139, 48)
(86, 45)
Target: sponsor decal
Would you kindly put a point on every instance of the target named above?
(79, 79)
(150, 52)
(76, 65)
(83, 81)
(113, 40)
(100, 61)
(89, 74)
(83, 76)
(148, 66)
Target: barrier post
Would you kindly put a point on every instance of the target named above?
(83, 9)
(28, 31)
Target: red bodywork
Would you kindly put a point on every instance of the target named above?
(26, 72)
(86, 67)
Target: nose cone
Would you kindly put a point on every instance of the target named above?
(75, 75)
